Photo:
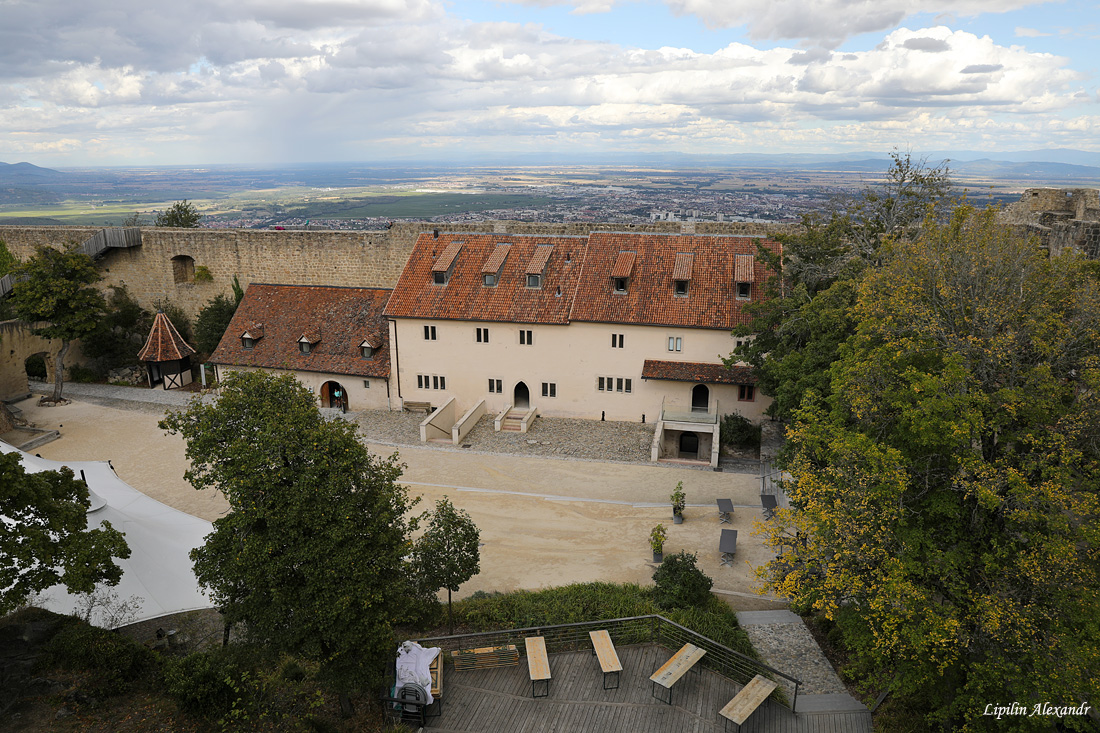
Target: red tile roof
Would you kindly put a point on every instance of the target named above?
(692, 371)
(164, 342)
(466, 297)
(342, 317)
(650, 299)
(743, 268)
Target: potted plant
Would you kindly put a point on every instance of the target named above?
(657, 538)
(678, 499)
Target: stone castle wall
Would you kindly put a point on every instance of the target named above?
(159, 269)
(1062, 218)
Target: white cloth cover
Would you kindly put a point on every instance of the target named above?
(158, 571)
(413, 662)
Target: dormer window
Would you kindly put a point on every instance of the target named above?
(536, 268)
(490, 271)
(308, 340)
(444, 265)
(681, 273)
(254, 333)
(622, 270)
(743, 266)
(369, 345)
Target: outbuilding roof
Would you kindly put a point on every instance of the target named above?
(340, 319)
(164, 342)
(693, 371)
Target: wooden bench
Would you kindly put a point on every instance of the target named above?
(609, 658)
(436, 670)
(747, 701)
(485, 657)
(672, 670)
(414, 406)
(538, 666)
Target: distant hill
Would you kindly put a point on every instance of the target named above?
(26, 173)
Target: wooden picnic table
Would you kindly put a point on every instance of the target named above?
(608, 657)
(538, 665)
(675, 668)
(738, 710)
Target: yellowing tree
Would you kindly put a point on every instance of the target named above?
(946, 492)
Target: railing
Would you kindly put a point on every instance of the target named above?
(94, 246)
(689, 415)
(652, 629)
(771, 479)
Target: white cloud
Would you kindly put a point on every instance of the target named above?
(1022, 32)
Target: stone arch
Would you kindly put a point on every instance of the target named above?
(521, 396)
(183, 269)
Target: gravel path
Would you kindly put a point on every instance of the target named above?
(783, 640)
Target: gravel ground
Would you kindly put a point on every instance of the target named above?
(791, 648)
(548, 436)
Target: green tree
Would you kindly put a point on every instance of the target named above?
(308, 555)
(8, 261)
(120, 333)
(44, 538)
(181, 214)
(447, 554)
(680, 584)
(797, 330)
(947, 493)
(213, 319)
(55, 289)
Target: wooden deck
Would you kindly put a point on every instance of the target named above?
(499, 701)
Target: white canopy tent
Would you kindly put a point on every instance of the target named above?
(158, 572)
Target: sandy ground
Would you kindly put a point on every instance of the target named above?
(543, 522)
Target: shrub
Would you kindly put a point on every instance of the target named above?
(220, 685)
(739, 431)
(115, 661)
(120, 333)
(84, 375)
(203, 274)
(680, 584)
(212, 321)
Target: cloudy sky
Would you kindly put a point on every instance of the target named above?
(145, 82)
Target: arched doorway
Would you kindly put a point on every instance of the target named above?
(689, 445)
(334, 395)
(521, 396)
(700, 398)
(35, 364)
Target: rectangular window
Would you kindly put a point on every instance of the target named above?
(627, 385)
(747, 393)
(489, 280)
(483, 335)
(744, 291)
(366, 383)
(526, 337)
(304, 347)
(599, 382)
(617, 340)
(496, 386)
(439, 278)
(420, 378)
(534, 281)
(620, 284)
(681, 288)
(618, 384)
(549, 389)
(675, 343)
(247, 343)
(429, 333)
(443, 383)
(435, 382)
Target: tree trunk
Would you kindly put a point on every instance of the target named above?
(59, 370)
(450, 613)
(225, 633)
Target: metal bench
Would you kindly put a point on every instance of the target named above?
(538, 666)
(608, 657)
(738, 710)
(672, 670)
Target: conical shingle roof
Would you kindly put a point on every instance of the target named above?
(164, 342)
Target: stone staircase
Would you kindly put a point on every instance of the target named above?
(512, 422)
